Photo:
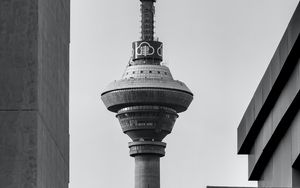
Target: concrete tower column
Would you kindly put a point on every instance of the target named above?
(147, 167)
(147, 171)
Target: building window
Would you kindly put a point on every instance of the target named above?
(142, 71)
(150, 71)
(158, 72)
(133, 72)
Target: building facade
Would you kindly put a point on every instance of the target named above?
(269, 132)
(34, 93)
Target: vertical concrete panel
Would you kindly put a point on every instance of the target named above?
(260, 143)
(18, 54)
(278, 172)
(34, 90)
(294, 29)
(53, 77)
(52, 168)
(53, 93)
(266, 84)
(258, 102)
(283, 49)
(274, 67)
(18, 93)
(250, 117)
(282, 163)
(18, 148)
(296, 124)
(295, 129)
(267, 176)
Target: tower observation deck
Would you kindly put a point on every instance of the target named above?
(147, 101)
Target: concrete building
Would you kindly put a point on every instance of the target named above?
(147, 100)
(34, 93)
(269, 132)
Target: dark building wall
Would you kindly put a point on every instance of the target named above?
(34, 86)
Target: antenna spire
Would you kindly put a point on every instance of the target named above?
(147, 51)
(147, 12)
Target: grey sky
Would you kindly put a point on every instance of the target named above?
(219, 48)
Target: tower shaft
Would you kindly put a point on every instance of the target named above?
(147, 167)
(147, 171)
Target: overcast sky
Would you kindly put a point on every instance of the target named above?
(219, 48)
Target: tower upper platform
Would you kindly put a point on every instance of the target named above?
(147, 85)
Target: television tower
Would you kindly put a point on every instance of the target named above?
(147, 100)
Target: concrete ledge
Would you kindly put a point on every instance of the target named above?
(271, 85)
(277, 122)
